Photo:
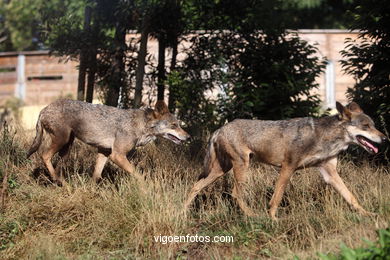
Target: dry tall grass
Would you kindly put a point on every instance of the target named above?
(116, 220)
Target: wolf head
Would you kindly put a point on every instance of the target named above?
(360, 127)
(166, 124)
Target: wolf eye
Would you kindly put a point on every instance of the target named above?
(366, 126)
(175, 126)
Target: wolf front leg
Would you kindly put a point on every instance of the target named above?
(280, 187)
(121, 160)
(329, 173)
(99, 165)
(122, 145)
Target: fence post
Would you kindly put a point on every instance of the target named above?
(20, 90)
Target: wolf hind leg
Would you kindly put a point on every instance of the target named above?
(64, 154)
(280, 186)
(65, 150)
(58, 141)
(240, 168)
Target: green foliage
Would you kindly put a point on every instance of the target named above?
(367, 59)
(24, 21)
(8, 233)
(13, 105)
(320, 14)
(63, 32)
(193, 107)
(243, 72)
(12, 154)
(11, 150)
(18, 14)
(378, 250)
(273, 77)
(265, 76)
(166, 20)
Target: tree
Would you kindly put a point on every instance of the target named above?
(74, 33)
(320, 14)
(166, 27)
(368, 58)
(17, 14)
(116, 17)
(246, 56)
(84, 57)
(141, 59)
(272, 78)
(95, 33)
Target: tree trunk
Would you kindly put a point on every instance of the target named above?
(91, 76)
(118, 67)
(172, 94)
(161, 68)
(84, 56)
(139, 77)
(81, 80)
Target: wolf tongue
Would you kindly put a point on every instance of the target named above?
(371, 146)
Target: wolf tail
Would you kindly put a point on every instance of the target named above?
(211, 156)
(38, 138)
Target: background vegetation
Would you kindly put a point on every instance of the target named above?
(250, 35)
(244, 52)
(367, 60)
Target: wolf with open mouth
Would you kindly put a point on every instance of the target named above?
(290, 144)
(113, 131)
(361, 129)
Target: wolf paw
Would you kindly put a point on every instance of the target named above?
(367, 213)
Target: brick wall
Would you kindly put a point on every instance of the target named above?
(45, 78)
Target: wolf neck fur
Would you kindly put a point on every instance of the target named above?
(332, 134)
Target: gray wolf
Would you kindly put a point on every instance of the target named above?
(113, 131)
(289, 144)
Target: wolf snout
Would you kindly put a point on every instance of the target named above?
(187, 136)
(384, 140)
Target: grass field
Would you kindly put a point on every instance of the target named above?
(118, 220)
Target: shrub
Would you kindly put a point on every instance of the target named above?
(231, 75)
(378, 250)
(367, 59)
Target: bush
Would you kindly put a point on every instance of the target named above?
(248, 75)
(378, 250)
(367, 59)
(273, 77)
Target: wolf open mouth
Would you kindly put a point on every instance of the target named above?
(174, 139)
(369, 145)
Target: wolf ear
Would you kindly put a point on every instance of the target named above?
(344, 112)
(354, 107)
(160, 108)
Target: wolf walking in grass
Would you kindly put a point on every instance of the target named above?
(112, 130)
(289, 144)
